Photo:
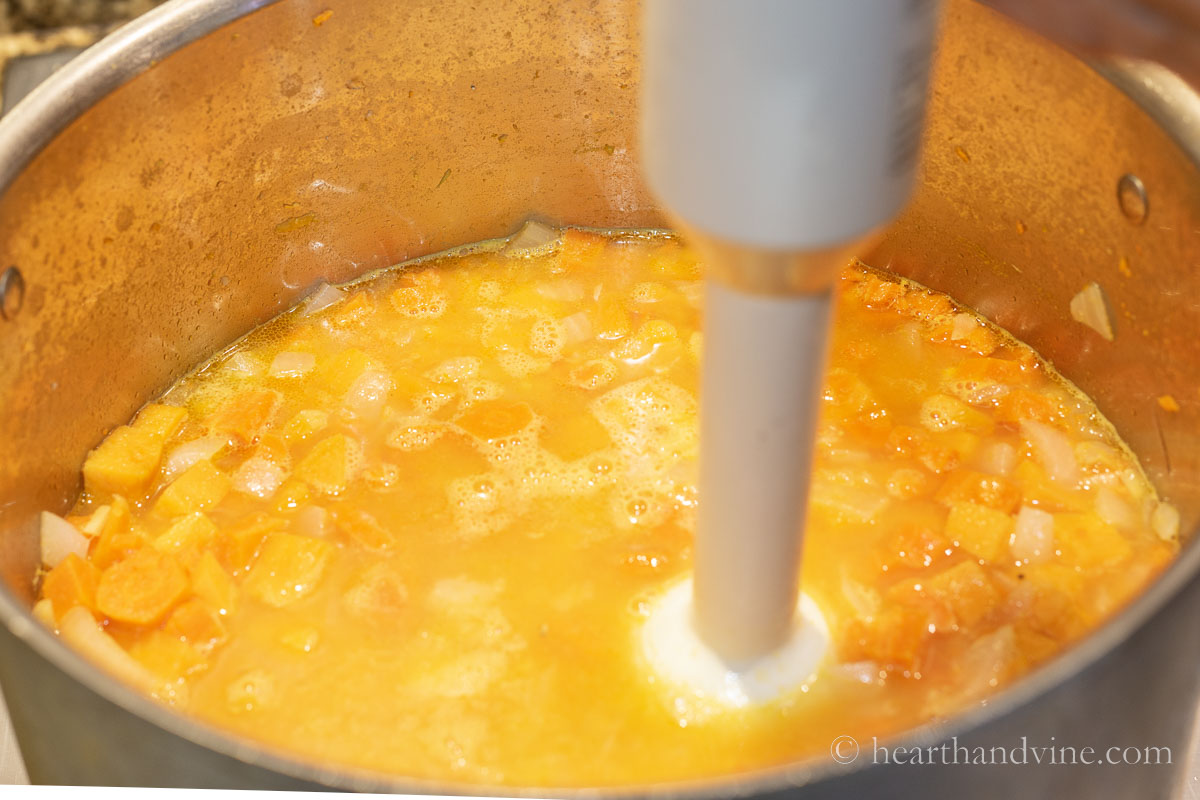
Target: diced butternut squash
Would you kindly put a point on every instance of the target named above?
(1038, 490)
(362, 529)
(72, 583)
(355, 309)
(129, 457)
(496, 419)
(610, 319)
(966, 485)
(246, 414)
(580, 250)
(212, 584)
(981, 531)
(237, 545)
(1023, 405)
(337, 372)
(159, 421)
(118, 538)
(941, 412)
(288, 568)
(965, 590)
(1088, 541)
(304, 425)
(920, 444)
(292, 494)
(141, 589)
(165, 655)
(200, 487)
(894, 638)
(187, 538)
(196, 623)
(331, 464)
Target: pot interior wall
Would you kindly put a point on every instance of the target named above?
(210, 192)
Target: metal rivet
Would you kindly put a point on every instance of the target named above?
(12, 292)
(1131, 195)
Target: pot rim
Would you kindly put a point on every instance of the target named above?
(38, 118)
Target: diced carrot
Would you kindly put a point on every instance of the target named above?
(201, 486)
(141, 589)
(496, 419)
(362, 529)
(966, 485)
(212, 584)
(916, 545)
(238, 545)
(965, 590)
(72, 583)
(331, 464)
(273, 448)
(166, 655)
(981, 531)
(288, 568)
(196, 623)
(245, 415)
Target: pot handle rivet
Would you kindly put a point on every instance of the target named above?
(1131, 196)
(12, 293)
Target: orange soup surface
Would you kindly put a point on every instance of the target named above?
(414, 525)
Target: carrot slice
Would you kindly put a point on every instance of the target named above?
(141, 589)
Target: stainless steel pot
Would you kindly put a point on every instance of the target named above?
(193, 174)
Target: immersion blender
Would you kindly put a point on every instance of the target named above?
(779, 135)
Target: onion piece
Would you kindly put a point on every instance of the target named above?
(311, 521)
(323, 297)
(292, 365)
(576, 327)
(1113, 509)
(367, 396)
(258, 476)
(1165, 521)
(1033, 535)
(1053, 449)
(189, 453)
(43, 612)
(533, 236)
(243, 364)
(566, 290)
(998, 458)
(963, 326)
(59, 539)
(1088, 307)
(79, 629)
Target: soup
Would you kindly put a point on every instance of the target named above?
(415, 524)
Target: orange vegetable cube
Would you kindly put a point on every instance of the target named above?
(72, 583)
(239, 544)
(1039, 490)
(1088, 541)
(580, 250)
(117, 539)
(610, 319)
(981, 531)
(304, 425)
(894, 638)
(141, 589)
(965, 591)
(331, 464)
(292, 494)
(187, 538)
(354, 310)
(1022, 405)
(966, 485)
(288, 568)
(212, 584)
(128, 458)
(337, 372)
(201, 486)
(245, 415)
(166, 655)
(159, 421)
(362, 529)
(196, 623)
(496, 419)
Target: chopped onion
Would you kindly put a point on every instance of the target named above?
(533, 236)
(1053, 449)
(311, 521)
(566, 290)
(258, 476)
(1033, 535)
(964, 325)
(367, 396)
(96, 522)
(576, 328)
(292, 365)
(1165, 521)
(1113, 509)
(1088, 307)
(43, 612)
(323, 297)
(189, 453)
(243, 364)
(59, 539)
(80, 630)
(998, 458)
(986, 663)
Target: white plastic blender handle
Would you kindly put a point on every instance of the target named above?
(784, 124)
